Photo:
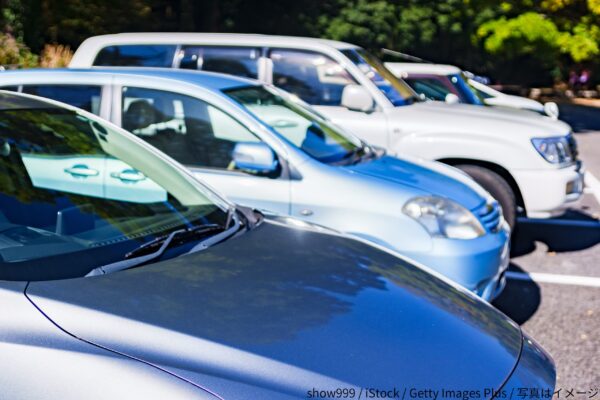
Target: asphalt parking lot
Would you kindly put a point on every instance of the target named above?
(554, 290)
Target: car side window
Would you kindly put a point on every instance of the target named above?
(314, 77)
(86, 97)
(136, 56)
(238, 61)
(188, 129)
(10, 88)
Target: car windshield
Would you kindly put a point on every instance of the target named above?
(468, 94)
(76, 194)
(398, 92)
(295, 121)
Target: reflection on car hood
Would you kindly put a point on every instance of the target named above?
(461, 117)
(288, 310)
(425, 176)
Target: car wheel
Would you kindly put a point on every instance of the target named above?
(497, 187)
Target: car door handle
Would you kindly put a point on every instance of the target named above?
(284, 123)
(128, 175)
(82, 171)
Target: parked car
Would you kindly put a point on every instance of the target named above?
(191, 297)
(266, 150)
(448, 83)
(495, 97)
(527, 162)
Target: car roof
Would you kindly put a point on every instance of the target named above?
(212, 38)
(423, 68)
(210, 80)
(16, 101)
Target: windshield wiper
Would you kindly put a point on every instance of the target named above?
(163, 243)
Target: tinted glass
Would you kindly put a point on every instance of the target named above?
(298, 124)
(239, 61)
(431, 88)
(75, 195)
(136, 55)
(84, 97)
(315, 78)
(10, 88)
(396, 90)
(188, 129)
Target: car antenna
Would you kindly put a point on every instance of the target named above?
(405, 56)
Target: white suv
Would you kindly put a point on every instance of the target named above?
(527, 162)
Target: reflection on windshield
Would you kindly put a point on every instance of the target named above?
(298, 125)
(75, 195)
(398, 92)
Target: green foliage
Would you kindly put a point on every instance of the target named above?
(529, 33)
(534, 33)
(527, 41)
(14, 54)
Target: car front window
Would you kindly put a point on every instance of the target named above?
(76, 194)
(398, 92)
(296, 123)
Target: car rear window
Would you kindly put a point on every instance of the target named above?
(136, 56)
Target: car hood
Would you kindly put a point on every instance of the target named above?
(427, 176)
(287, 310)
(468, 117)
(509, 100)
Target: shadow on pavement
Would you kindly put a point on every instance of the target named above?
(581, 118)
(520, 299)
(573, 231)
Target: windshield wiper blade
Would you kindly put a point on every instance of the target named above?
(168, 239)
(165, 242)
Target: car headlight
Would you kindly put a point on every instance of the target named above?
(555, 150)
(444, 218)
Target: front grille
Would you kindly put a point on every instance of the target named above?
(490, 215)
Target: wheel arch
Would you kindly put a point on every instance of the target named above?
(500, 170)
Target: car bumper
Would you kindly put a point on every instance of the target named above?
(479, 264)
(546, 193)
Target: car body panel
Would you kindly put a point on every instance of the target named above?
(288, 310)
(408, 173)
(68, 368)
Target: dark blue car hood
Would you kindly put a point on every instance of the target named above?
(290, 309)
(417, 176)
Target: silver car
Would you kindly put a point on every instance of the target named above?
(266, 149)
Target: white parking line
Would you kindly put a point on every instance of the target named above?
(541, 277)
(593, 184)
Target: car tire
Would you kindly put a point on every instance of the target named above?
(497, 187)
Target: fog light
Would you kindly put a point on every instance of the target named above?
(570, 187)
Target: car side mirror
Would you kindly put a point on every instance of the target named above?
(451, 98)
(357, 98)
(551, 109)
(254, 157)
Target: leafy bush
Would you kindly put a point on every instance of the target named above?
(55, 56)
(14, 54)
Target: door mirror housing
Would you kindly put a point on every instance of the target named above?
(357, 98)
(254, 157)
(451, 98)
(551, 110)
